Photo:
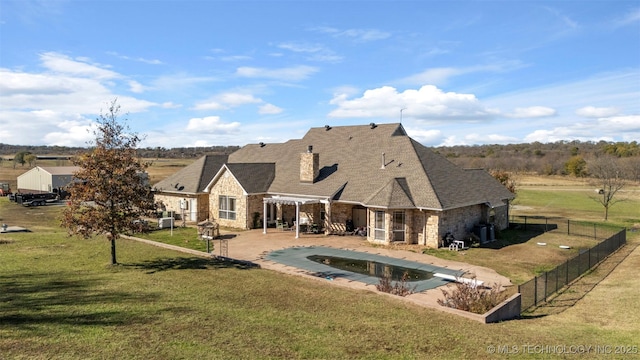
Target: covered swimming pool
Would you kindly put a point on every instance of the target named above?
(301, 257)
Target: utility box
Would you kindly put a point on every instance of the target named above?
(165, 223)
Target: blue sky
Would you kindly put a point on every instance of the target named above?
(202, 73)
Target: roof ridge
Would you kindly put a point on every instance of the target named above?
(424, 170)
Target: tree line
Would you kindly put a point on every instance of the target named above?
(27, 155)
(557, 158)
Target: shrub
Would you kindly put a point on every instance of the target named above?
(399, 288)
(473, 298)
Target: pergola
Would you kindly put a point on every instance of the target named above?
(288, 200)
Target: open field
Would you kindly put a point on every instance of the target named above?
(159, 169)
(60, 300)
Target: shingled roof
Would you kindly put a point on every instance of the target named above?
(193, 178)
(373, 165)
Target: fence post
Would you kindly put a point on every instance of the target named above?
(546, 281)
(568, 227)
(546, 224)
(594, 231)
(535, 289)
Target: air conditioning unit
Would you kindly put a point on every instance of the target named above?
(165, 223)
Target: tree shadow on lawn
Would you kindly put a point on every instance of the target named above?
(195, 263)
(29, 300)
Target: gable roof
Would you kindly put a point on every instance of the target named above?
(254, 178)
(374, 165)
(193, 178)
(60, 170)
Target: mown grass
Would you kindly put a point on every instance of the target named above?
(59, 299)
(186, 237)
(580, 204)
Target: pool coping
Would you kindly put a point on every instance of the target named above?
(296, 257)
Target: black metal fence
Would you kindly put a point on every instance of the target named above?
(566, 226)
(538, 289)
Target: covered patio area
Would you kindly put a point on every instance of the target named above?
(307, 222)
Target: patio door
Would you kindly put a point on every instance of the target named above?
(398, 226)
(359, 217)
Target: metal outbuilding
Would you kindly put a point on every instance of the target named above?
(46, 178)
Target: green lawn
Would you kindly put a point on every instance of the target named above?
(59, 299)
(575, 204)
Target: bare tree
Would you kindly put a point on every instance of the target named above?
(109, 193)
(607, 176)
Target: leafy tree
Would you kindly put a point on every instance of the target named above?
(576, 166)
(19, 158)
(505, 179)
(607, 176)
(109, 193)
(30, 158)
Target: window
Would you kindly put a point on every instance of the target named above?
(379, 229)
(398, 226)
(227, 207)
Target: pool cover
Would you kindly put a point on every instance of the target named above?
(297, 257)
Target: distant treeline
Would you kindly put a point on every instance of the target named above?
(157, 152)
(557, 158)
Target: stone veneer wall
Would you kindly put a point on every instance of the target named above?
(460, 222)
(254, 205)
(309, 167)
(172, 203)
(228, 186)
(501, 217)
(340, 213)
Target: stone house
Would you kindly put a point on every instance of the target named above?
(183, 192)
(340, 179)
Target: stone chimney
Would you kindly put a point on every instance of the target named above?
(309, 166)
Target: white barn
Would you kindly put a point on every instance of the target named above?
(46, 178)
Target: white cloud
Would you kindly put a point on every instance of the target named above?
(234, 58)
(434, 75)
(295, 73)
(136, 87)
(81, 67)
(180, 80)
(427, 137)
(531, 112)
(629, 18)
(627, 124)
(139, 59)
(54, 104)
(597, 112)
(427, 103)
(73, 133)
(441, 75)
(317, 52)
(226, 101)
(211, 125)
(170, 105)
(626, 127)
(489, 139)
(269, 109)
(359, 35)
